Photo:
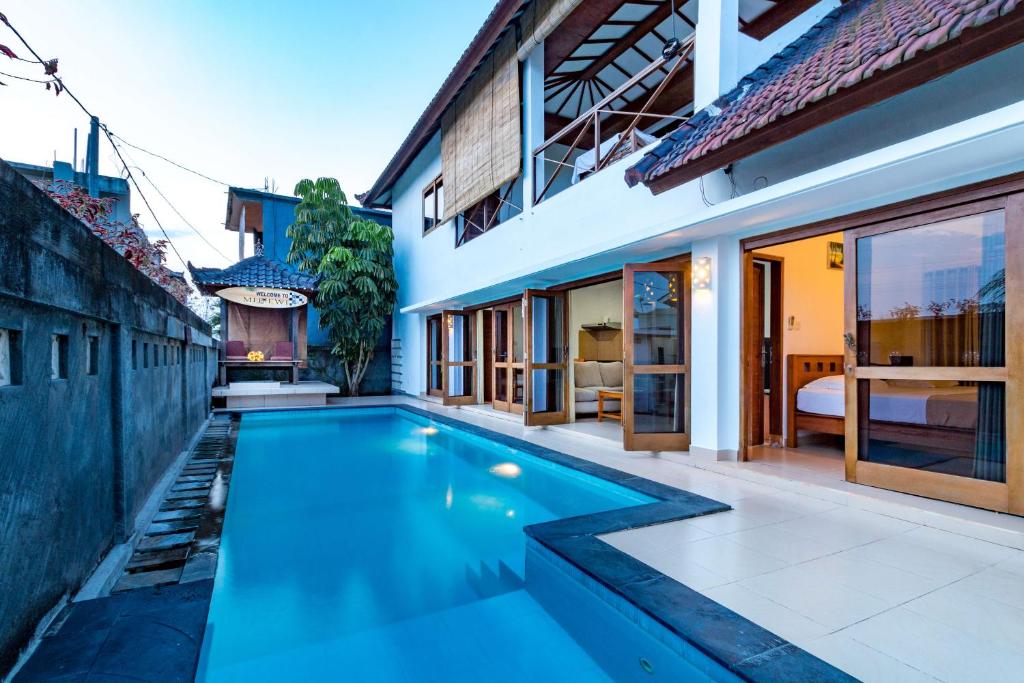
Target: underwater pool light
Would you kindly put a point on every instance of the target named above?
(509, 470)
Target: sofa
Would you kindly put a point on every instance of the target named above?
(592, 376)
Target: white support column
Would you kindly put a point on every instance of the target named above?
(241, 234)
(533, 123)
(715, 353)
(715, 62)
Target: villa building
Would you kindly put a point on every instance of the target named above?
(743, 228)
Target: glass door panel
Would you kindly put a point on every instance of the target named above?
(435, 383)
(459, 361)
(656, 345)
(926, 360)
(546, 353)
(507, 335)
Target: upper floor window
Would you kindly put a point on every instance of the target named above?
(433, 204)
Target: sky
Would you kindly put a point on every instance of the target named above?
(244, 92)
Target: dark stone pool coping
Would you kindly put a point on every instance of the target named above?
(737, 644)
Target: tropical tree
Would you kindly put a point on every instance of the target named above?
(353, 262)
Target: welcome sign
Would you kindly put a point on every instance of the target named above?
(264, 297)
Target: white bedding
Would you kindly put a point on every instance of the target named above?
(826, 396)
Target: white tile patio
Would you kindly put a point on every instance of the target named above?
(887, 587)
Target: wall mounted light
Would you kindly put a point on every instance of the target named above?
(702, 273)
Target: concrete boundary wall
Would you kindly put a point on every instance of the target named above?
(80, 451)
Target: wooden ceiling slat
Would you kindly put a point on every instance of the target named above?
(575, 29)
(639, 30)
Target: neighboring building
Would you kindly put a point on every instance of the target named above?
(109, 186)
(823, 250)
(267, 216)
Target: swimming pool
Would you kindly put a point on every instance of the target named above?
(377, 545)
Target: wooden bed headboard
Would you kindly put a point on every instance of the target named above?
(801, 369)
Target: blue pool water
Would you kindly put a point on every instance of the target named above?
(372, 545)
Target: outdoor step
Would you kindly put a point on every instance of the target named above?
(159, 577)
(165, 542)
(191, 486)
(162, 558)
(186, 495)
(176, 526)
(183, 504)
(195, 477)
(171, 515)
(204, 471)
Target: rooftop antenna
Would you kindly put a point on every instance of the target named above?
(74, 155)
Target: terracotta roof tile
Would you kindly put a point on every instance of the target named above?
(854, 42)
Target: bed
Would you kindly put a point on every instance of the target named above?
(941, 415)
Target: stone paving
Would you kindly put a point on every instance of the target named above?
(182, 541)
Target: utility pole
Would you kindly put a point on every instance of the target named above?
(92, 157)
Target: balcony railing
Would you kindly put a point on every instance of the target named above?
(601, 114)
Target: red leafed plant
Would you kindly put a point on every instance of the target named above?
(126, 238)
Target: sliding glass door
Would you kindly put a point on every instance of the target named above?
(547, 353)
(932, 350)
(656, 347)
(458, 358)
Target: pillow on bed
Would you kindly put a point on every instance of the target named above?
(922, 383)
(831, 382)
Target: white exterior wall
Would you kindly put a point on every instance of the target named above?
(903, 148)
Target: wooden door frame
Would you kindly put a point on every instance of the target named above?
(747, 356)
(508, 366)
(447, 364)
(430, 362)
(487, 354)
(655, 441)
(532, 419)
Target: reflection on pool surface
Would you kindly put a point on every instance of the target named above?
(372, 545)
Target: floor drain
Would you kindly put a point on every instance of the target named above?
(646, 665)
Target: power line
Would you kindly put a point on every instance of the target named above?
(170, 161)
(175, 210)
(23, 78)
(127, 170)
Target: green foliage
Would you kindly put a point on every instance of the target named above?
(353, 260)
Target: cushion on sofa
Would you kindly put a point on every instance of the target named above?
(585, 394)
(611, 374)
(588, 374)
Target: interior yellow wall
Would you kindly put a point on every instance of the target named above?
(812, 296)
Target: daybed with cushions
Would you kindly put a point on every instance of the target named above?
(590, 377)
